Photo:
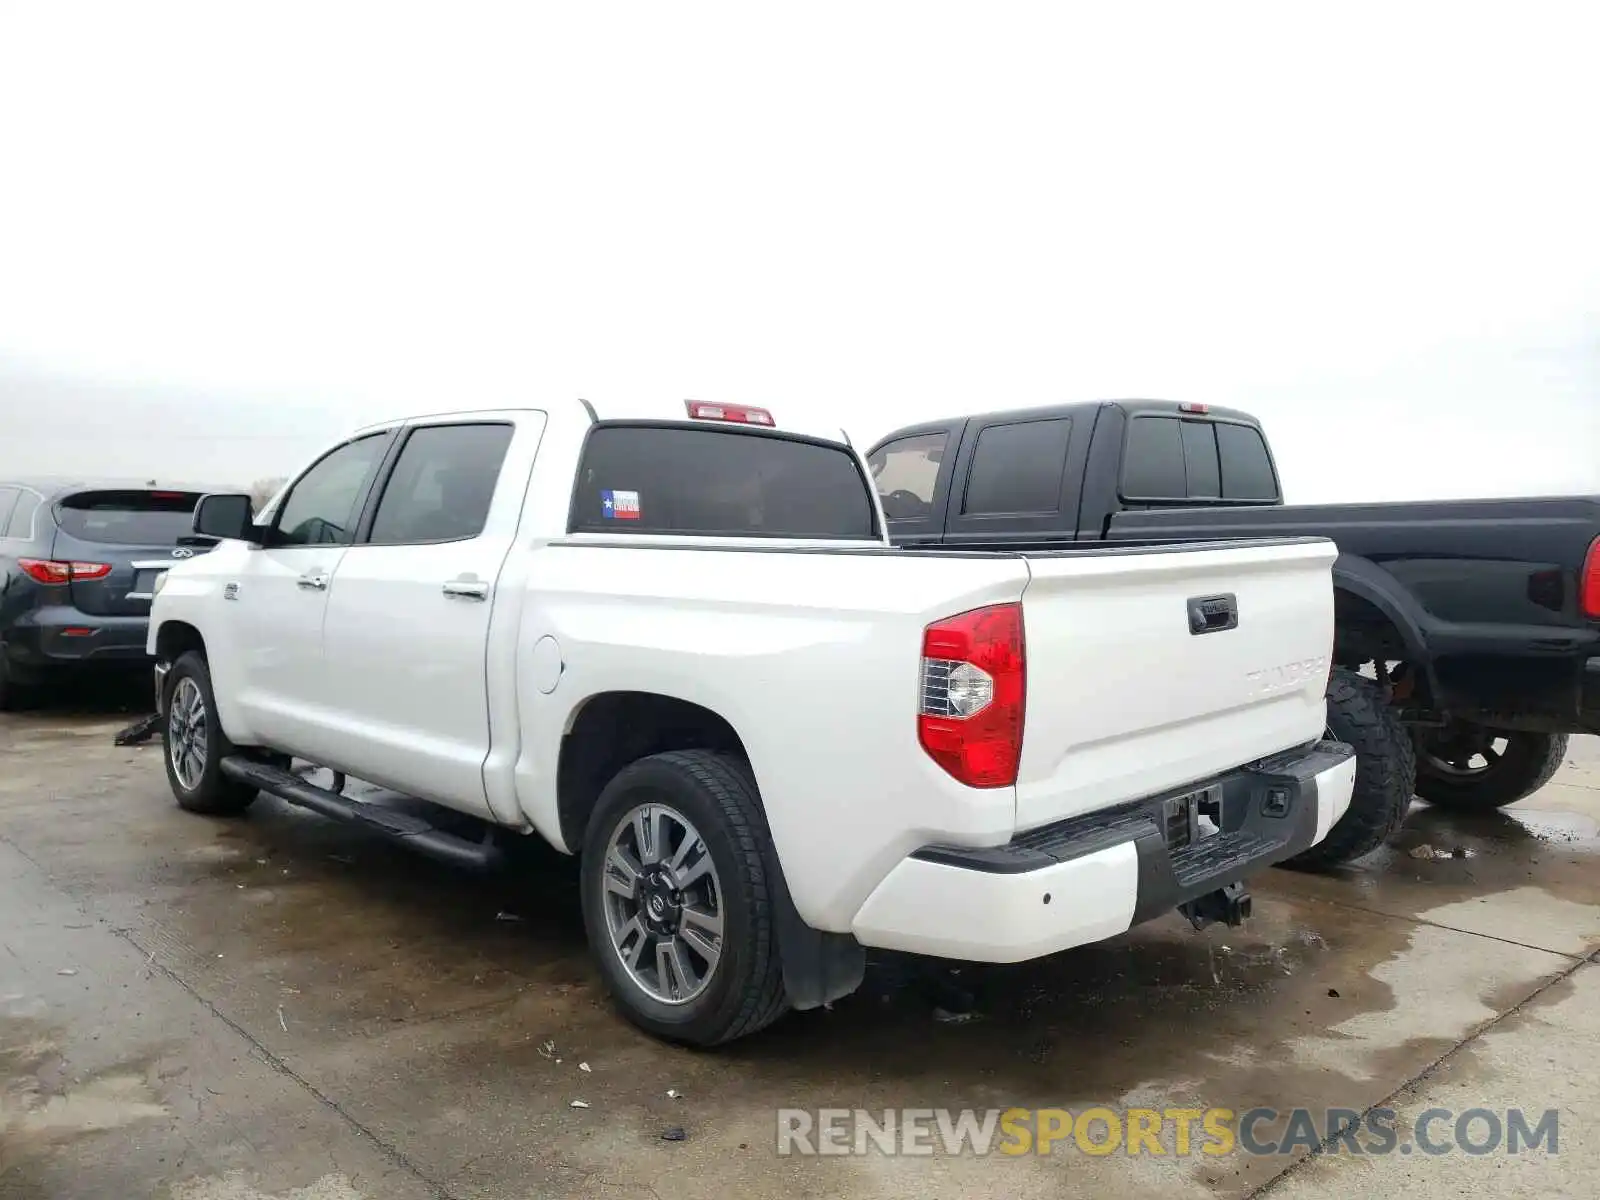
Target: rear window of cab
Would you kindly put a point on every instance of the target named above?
(694, 481)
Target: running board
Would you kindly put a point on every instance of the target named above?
(402, 827)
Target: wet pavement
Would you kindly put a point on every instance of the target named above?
(279, 1007)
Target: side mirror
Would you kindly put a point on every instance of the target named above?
(224, 515)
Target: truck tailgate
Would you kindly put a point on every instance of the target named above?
(1140, 681)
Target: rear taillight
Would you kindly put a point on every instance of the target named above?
(47, 570)
(974, 681)
(1589, 584)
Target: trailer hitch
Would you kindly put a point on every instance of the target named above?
(1229, 905)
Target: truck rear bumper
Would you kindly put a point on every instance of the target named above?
(1095, 876)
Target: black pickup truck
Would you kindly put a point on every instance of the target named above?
(1467, 642)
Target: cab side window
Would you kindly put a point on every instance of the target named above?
(906, 473)
(325, 503)
(1017, 468)
(442, 485)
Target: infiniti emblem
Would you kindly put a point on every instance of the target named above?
(183, 552)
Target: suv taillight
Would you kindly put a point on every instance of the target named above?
(1589, 583)
(974, 680)
(49, 571)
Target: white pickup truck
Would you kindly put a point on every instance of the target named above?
(684, 650)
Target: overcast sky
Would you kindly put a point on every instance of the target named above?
(229, 232)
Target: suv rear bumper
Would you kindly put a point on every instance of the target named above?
(1095, 876)
(61, 636)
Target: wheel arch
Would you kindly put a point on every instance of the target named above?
(608, 731)
(1374, 612)
(176, 638)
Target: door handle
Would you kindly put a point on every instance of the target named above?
(315, 582)
(464, 589)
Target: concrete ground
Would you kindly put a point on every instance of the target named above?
(277, 1007)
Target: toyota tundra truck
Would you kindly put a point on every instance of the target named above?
(685, 651)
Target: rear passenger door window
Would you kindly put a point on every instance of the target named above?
(442, 484)
(1017, 476)
(1017, 469)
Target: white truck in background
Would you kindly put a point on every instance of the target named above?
(684, 650)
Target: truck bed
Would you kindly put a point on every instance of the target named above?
(1557, 529)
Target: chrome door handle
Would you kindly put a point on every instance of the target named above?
(463, 589)
(316, 582)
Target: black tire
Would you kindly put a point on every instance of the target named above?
(1529, 761)
(213, 793)
(716, 793)
(1386, 772)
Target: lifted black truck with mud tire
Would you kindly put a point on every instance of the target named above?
(1467, 639)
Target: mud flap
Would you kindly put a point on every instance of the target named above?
(818, 967)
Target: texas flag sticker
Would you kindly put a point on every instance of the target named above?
(620, 506)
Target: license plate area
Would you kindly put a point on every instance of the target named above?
(144, 578)
(144, 585)
(1192, 817)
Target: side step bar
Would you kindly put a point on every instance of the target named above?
(405, 828)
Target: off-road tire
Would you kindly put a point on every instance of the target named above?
(1386, 772)
(717, 793)
(1530, 761)
(215, 794)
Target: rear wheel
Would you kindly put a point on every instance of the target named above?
(1476, 769)
(678, 901)
(1386, 770)
(194, 745)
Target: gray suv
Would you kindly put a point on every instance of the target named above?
(77, 564)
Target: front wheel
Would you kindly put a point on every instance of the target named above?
(1386, 771)
(194, 745)
(678, 898)
(1475, 769)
